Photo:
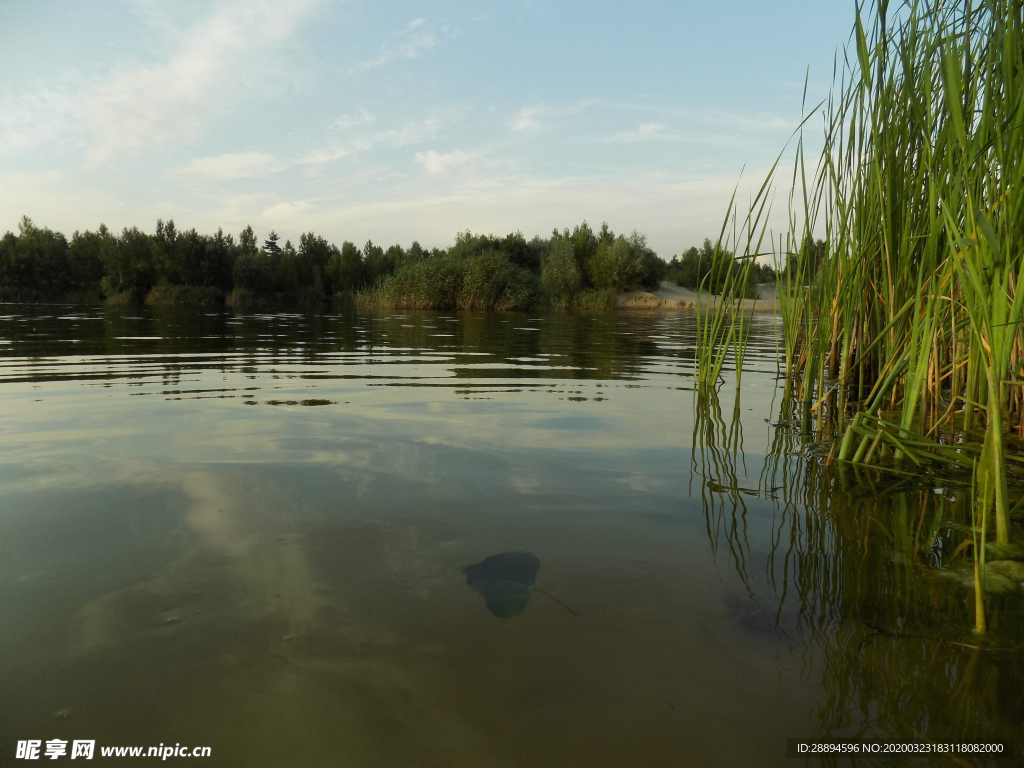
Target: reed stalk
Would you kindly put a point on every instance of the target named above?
(904, 337)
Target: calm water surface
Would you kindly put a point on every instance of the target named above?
(249, 531)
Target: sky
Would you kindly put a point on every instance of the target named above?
(402, 121)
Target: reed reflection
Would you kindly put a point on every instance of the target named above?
(868, 579)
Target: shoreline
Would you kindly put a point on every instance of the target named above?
(671, 297)
(668, 297)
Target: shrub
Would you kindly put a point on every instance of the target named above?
(254, 273)
(241, 297)
(560, 274)
(454, 280)
(625, 263)
(199, 295)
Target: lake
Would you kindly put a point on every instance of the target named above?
(429, 539)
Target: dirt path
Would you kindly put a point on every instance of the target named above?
(673, 297)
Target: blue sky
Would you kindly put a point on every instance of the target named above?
(401, 120)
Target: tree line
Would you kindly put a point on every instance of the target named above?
(571, 267)
(706, 268)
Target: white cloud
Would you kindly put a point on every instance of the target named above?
(410, 133)
(432, 207)
(429, 207)
(168, 20)
(646, 132)
(754, 123)
(52, 199)
(579, 106)
(436, 163)
(141, 106)
(526, 120)
(326, 154)
(286, 211)
(410, 43)
(37, 115)
(242, 165)
(135, 106)
(359, 119)
(247, 165)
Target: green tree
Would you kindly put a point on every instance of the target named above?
(38, 264)
(190, 258)
(85, 260)
(625, 263)
(252, 270)
(33, 264)
(165, 262)
(253, 273)
(288, 281)
(615, 266)
(247, 242)
(271, 248)
(346, 268)
(415, 252)
(519, 252)
(221, 253)
(539, 248)
(393, 257)
(560, 273)
(373, 261)
(129, 264)
(313, 258)
(707, 268)
(9, 267)
(584, 247)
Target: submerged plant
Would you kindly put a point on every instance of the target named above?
(506, 581)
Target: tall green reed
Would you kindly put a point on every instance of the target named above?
(904, 339)
(723, 321)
